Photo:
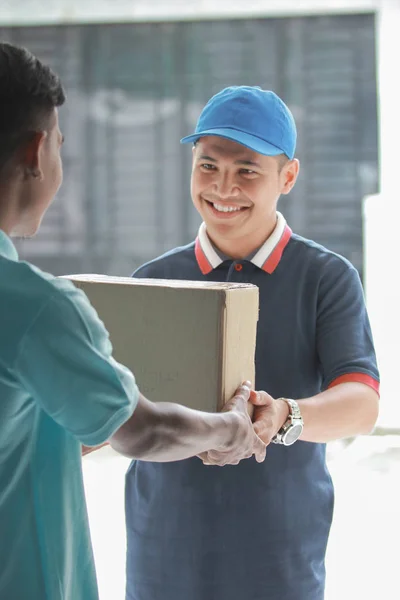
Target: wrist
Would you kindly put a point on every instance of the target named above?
(292, 427)
(283, 412)
(226, 433)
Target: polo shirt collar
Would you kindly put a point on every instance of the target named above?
(266, 258)
(7, 248)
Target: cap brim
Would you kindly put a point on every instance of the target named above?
(245, 139)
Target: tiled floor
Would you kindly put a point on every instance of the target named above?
(363, 557)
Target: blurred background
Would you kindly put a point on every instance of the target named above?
(134, 89)
(137, 74)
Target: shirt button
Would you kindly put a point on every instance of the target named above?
(238, 267)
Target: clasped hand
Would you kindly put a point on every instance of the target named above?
(268, 417)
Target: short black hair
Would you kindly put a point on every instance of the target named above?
(29, 92)
(283, 160)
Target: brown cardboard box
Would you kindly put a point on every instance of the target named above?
(186, 342)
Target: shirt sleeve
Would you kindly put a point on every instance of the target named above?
(344, 340)
(65, 363)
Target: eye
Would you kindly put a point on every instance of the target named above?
(248, 172)
(208, 167)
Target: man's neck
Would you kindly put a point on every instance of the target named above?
(6, 221)
(9, 217)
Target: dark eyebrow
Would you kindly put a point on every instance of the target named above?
(246, 163)
(204, 157)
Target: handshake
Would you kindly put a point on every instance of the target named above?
(165, 431)
(248, 437)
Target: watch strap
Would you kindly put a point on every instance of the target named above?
(293, 418)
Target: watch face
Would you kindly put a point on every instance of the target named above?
(293, 434)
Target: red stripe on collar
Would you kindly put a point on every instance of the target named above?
(274, 258)
(201, 258)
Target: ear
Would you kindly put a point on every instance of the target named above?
(31, 153)
(289, 174)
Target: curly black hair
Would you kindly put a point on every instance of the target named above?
(29, 92)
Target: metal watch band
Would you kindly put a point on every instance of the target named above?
(294, 408)
(294, 419)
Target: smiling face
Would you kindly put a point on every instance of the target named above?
(236, 191)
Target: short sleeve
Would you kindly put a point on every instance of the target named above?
(65, 363)
(344, 340)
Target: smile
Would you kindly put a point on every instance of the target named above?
(225, 209)
(222, 208)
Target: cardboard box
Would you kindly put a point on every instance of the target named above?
(186, 342)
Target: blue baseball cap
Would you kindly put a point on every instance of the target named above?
(255, 118)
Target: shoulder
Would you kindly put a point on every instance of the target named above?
(27, 290)
(28, 296)
(177, 263)
(55, 299)
(59, 294)
(320, 259)
(38, 286)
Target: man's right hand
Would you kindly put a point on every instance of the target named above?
(244, 441)
(166, 432)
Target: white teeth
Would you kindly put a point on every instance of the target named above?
(221, 208)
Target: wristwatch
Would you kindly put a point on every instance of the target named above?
(291, 430)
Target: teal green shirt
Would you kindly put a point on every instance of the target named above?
(59, 388)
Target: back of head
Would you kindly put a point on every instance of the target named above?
(29, 92)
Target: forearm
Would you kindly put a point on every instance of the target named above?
(166, 432)
(343, 411)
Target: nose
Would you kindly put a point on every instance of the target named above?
(226, 187)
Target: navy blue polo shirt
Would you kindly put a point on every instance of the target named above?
(254, 531)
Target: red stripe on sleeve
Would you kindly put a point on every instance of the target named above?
(358, 378)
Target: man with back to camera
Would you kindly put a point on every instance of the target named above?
(259, 531)
(59, 385)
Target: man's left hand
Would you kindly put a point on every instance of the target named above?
(269, 415)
